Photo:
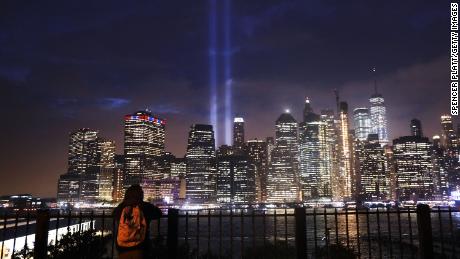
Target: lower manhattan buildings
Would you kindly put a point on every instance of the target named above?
(321, 159)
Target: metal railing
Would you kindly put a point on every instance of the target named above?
(295, 233)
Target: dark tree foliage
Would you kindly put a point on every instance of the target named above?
(84, 245)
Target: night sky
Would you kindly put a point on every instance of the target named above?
(65, 65)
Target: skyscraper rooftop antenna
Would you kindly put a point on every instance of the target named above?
(375, 80)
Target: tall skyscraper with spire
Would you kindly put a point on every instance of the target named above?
(378, 115)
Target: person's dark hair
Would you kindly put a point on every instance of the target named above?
(134, 195)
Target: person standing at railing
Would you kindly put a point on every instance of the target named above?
(133, 217)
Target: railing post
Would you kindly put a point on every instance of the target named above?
(424, 232)
(300, 232)
(41, 234)
(173, 229)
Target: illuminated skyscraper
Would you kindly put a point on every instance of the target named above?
(258, 156)
(283, 171)
(90, 168)
(106, 170)
(144, 146)
(378, 117)
(362, 123)
(440, 169)
(80, 181)
(235, 180)
(391, 172)
(373, 180)
(83, 151)
(314, 171)
(413, 166)
(448, 137)
(270, 146)
(238, 135)
(201, 164)
(451, 157)
(331, 153)
(345, 155)
(118, 179)
(178, 167)
(416, 128)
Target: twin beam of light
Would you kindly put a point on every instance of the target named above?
(213, 66)
(228, 75)
(227, 71)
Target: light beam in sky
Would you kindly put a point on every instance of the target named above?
(228, 73)
(213, 66)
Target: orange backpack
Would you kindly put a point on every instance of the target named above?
(132, 227)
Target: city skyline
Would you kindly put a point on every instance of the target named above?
(92, 68)
(320, 158)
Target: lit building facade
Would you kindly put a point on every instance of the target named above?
(346, 176)
(362, 123)
(379, 118)
(90, 168)
(373, 182)
(413, 166)
(238, 135)
(440, 169)
(236, 180)
(178, 167)
(68, 190)
(165, 190)
(83, 151)
(106, 170)
(314, 168)
(201, 164)
(283, 184)
(118, 179)
(270, 146)
(144, 147)
(331, 153)
(258, 157)
(448, 137)
(416, 128)
(451, 157)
